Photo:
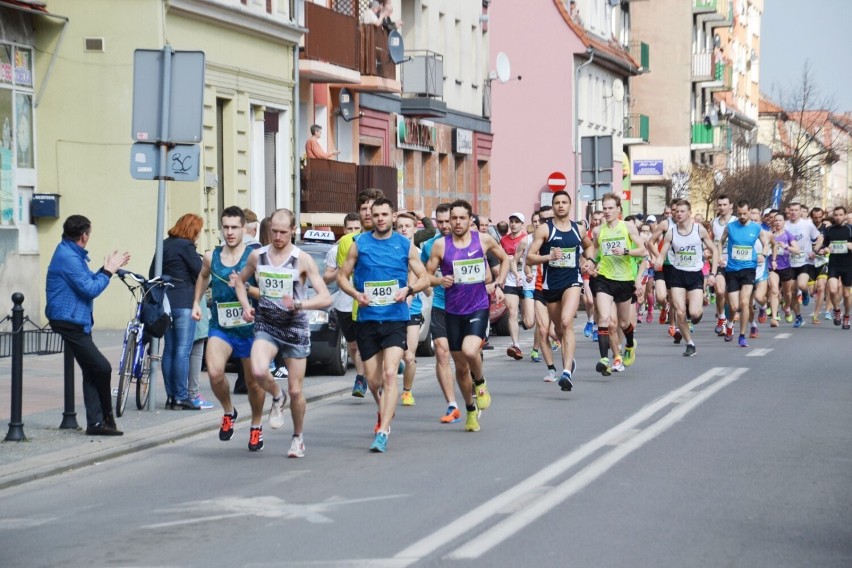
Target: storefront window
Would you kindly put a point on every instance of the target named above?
(24, 130)
(16, 122)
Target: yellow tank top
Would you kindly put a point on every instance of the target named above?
(621, 268)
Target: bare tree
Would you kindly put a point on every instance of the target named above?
(754, 184)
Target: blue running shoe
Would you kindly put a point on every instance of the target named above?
(565, 381)
(742, 341)
(798, 322)
(806, 298)
(380, 444)
(535, 356)
(587, 331)
(595, 334)
(360, 387)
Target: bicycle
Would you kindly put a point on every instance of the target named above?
(135, 364)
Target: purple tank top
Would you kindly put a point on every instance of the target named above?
(783, 257)
(465, 298)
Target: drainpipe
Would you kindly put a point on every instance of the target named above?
(591, 54)
(297, 182)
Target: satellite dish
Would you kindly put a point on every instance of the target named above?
(617, 90)
(503, 67)
(346, 104)
(723, 108)
(713, 117)
(396, 47)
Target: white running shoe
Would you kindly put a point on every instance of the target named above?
(297, 448)
(276, 413)
(550, 377)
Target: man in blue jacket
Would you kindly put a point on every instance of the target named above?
(71, 291)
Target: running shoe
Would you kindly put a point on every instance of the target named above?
(603, 367)
(276, 413)
(201, 403)
(664, 315)
(514, 352)
(472, 422)
(483, 397)
(595, 334)
(773, 323)
(550, 377)
(788, 316)
(672, 331)
(806, 298)
(565, 381)
(691, 327)
(753, 332)
(535, 356)
(630, 354)
(618, 365)
(845, 323)
(729, 333)
(280, 373)
(815, 319)
(742, 341)
(827, 315)
(407, 398)
(720, 326)
(256, 439)
(836, 317)
(380, 444)
(587, 331)
(798, 322)
(297, 448)
(769, 311)
(226, 430)
(678, 336)
(649, 317)
(690, 350)
(360, 387)
(761, 315)
(452, 416)
(554, 345)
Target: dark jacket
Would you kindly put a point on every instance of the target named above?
(183, 263)
(71, 286)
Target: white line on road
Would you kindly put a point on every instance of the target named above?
(784, 336)
(481, 514)
(758, 352)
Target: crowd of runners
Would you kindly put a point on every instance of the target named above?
(755, 266)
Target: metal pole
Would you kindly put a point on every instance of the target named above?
(163, 146)
(16, 425)
(577, 132)
(297, 163)
(69, 416)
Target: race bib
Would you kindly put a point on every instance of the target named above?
(798, 258)
(608, 245)
(568, 260)
(820, 260)
(469, 271)
(230, 314)
(742, 253)
(381, 293)
(685, 258)
(274, 284)
(838, 247)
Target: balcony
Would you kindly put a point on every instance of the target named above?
(637, 129)
(423, 85)
(723, 77)
(702, 66)
(712, 139)
(378, 71)
(329, 186)
(641, 54)
(717, 12)
(330, 52)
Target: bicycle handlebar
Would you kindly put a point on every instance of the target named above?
(163, 280)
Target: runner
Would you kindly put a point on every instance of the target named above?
(558, 246)
(514, 287)
(461, 258)
(380, 262)
(782, 278)
(761, 279)
(803, 262)
(686, 242)
(740, 237)
(591, 329)
(229, 333)
(281, 324)
(838, 239)
(438, 322)
(614, 285)
(543, 326)
(662, 277)
(723, 217)
(530, 274)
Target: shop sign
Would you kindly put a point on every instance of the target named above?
(647, 167)
(414, 134)
(462, 141)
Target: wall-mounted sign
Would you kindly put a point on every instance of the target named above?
(647, 167)
(462, 141)
(414, 134)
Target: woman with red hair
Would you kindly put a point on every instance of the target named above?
(183, 264)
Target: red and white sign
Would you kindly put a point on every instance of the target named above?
(557, 181)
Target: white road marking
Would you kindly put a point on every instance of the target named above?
(466, 523)
(784, 336)
(758, 352)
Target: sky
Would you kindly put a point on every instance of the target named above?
(795, 31)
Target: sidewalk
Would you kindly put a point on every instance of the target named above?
(48, 450)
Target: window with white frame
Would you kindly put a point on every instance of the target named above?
(16, 122)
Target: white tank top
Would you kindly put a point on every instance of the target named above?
(687, 250)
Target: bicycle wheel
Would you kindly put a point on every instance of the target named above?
(143, 382)
(125, 373)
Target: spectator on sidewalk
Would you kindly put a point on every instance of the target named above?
(251, 237)
(71, 290)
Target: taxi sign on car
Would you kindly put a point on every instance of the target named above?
(317, 236)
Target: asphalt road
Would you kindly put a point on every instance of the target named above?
(735, 457)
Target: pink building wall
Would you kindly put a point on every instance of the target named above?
(532, 119)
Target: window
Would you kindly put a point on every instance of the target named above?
(16, 123)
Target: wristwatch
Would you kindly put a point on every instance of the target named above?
(297, 304)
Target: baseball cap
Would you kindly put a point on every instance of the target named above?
(640, 216)
(766, 211)
(651, 219)
(520, 216)
(475, 219)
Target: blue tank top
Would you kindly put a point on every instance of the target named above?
(468, 267)
(225, 303)
(437, 291)
(562, 273)
(381, 270)
(740, 245)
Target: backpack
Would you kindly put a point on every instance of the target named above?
(154, 314)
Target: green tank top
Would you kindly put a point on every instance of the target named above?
(620, 268)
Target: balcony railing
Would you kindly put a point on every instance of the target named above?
(332, 36)
(723, 77)
(702, 66)
(329, 186)
(717, 138)
(641, 54)
(637, 126)
(724, 8)
(374, 57)
(423, 74)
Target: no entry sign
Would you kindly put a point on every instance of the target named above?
(557, 181)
